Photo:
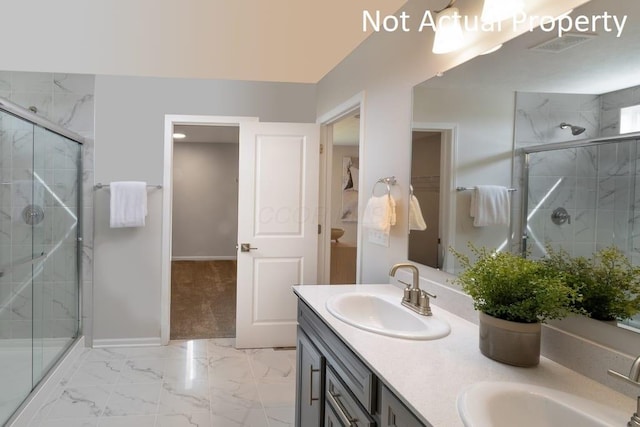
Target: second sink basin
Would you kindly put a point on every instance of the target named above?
(384, 315)
(505, 404)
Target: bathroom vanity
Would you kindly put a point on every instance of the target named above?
(347, 376)
(335, 387)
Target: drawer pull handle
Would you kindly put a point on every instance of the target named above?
(311, 371)
(346, 418)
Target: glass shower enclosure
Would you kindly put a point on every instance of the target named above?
(583, 196)
(40, 235)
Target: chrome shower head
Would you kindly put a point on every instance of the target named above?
(575, 130)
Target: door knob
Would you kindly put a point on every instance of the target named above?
(246, 247)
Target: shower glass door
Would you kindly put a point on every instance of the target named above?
(39, 270)
(54, 222)
(16, 250)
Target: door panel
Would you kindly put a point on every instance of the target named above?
(277, 205)
(280, 176)
(273, 299)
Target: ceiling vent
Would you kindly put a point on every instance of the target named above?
(562, 43)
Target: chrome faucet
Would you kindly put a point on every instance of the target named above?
(414, 298)
(634, 379)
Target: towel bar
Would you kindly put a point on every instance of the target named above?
(473, 188)
(100, 186)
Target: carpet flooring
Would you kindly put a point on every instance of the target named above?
(203, 299)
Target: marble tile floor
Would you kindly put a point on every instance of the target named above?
(187, 383)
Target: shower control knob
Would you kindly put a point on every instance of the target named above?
(560, 215)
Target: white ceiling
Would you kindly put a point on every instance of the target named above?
(603, 64)
(261, 40)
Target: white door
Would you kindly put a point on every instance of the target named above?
(278, 221)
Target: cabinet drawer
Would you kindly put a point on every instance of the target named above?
(341, 407)
(351, 370)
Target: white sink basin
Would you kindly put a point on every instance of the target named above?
(504, 404)
(384, 315)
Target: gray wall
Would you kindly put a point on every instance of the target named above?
(205, 200)
(385, 67)
(130, 114)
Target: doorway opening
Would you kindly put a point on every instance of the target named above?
(344, 190)
(433, 167)
(340, 198)
(424, 239)
(204, 228)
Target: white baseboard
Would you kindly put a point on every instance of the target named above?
(49, 384)
(205, 258)
(127, 342)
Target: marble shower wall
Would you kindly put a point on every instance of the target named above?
(570, 173)
(67, 100)
(596, 185)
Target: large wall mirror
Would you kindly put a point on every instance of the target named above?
(484, 113)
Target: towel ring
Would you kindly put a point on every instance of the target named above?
(388, 181)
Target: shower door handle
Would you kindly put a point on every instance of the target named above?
(246, 247)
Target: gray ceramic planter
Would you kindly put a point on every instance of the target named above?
(508, 342)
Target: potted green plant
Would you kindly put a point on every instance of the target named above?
(608, 283)
(513, 295)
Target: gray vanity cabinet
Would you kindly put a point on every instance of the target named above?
(335, 387)
(309, 383)
(393, 412)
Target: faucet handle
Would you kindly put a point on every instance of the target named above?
(425, 307)
(634, 373)
(623, 377)
(429, 294)
(405, 283)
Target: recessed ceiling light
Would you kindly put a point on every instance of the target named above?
(179, 135)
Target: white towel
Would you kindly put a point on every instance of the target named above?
(416, 220)
(380, 213)
(128, 204)
(490, 205)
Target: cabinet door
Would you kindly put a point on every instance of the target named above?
(394, 413)
(309, 383)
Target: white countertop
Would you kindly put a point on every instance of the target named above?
(429, 375)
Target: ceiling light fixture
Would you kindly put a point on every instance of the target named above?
(493, 49)
(449, 35)
(178, 135)
(498, 10)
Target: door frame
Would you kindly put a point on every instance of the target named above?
(448, 165)
(326, 122)
(170, 120)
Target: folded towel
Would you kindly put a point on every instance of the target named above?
(380, 213)
(490, 205)
(416, 220)
(128, 204)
